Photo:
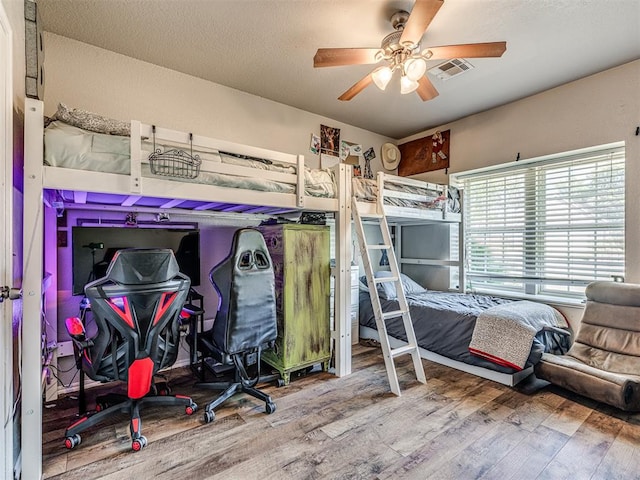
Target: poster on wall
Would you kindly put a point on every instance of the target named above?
(314, 146)
(350, 152)
(425, 154)
(330, 140)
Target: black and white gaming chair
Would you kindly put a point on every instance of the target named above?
(246, 319)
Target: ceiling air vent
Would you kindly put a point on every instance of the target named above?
(451, 68)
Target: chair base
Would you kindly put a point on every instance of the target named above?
(110, 404)
(230, 389)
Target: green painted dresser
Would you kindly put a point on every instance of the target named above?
(300, 255)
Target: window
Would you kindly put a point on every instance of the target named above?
(546, 226)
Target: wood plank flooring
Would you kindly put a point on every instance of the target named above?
(458, 426)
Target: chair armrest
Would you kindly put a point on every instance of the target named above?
(76, 330)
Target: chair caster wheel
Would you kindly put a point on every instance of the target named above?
(191, 409)
(101, 406)
(72, 441)
(139, 443)
(209, 416)
(163, 389)
(270, 407)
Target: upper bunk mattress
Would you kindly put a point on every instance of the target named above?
(429, 196)
(66, 146)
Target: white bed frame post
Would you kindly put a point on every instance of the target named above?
(32, 292)
(344, 254)
(136, 157)
(6, 270)
(462, 260)
(300, 186)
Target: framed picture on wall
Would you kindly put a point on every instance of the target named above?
(425, 154)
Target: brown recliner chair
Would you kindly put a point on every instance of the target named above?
(604, 361)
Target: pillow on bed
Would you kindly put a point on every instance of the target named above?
(91, 121)
(387, 290)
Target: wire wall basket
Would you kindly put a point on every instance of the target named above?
(175, 162)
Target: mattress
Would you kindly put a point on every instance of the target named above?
(444, 322)
(430, 196)
(66, 146)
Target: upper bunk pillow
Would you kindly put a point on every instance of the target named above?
(72, 147)
(387, 290)
(92, 121)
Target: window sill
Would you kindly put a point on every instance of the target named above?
(549, 300)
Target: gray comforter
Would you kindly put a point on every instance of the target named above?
(444, 323)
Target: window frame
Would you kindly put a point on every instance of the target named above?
(534, 231)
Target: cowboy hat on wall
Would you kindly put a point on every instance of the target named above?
(390, 156)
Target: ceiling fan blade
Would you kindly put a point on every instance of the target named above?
(426, 90)
(421, 15)
(468, 50)
(335, 57)
(356, 88)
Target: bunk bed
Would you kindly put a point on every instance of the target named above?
(149, 167)
(444, 321)
(153, 162)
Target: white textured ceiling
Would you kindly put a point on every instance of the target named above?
(266, 48)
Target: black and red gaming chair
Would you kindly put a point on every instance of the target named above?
(245, 322)
(136, 307)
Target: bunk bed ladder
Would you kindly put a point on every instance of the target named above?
(411, 347)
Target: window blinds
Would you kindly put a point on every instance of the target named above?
(546, 227)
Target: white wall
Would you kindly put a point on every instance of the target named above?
(599, 109)
(83, 76)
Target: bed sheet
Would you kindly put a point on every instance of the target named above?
(444, 322)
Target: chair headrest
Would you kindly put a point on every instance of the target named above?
(614, 293)
(136, 266)
(250, 250)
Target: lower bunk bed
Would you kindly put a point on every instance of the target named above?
(487, 336)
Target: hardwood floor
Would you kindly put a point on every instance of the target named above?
(458, 426)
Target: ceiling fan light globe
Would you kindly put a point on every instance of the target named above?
(415, 68)
(407, 85)
(382, 76)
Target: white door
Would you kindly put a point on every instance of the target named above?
(6, 247)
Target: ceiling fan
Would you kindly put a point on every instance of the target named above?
(401, 50)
